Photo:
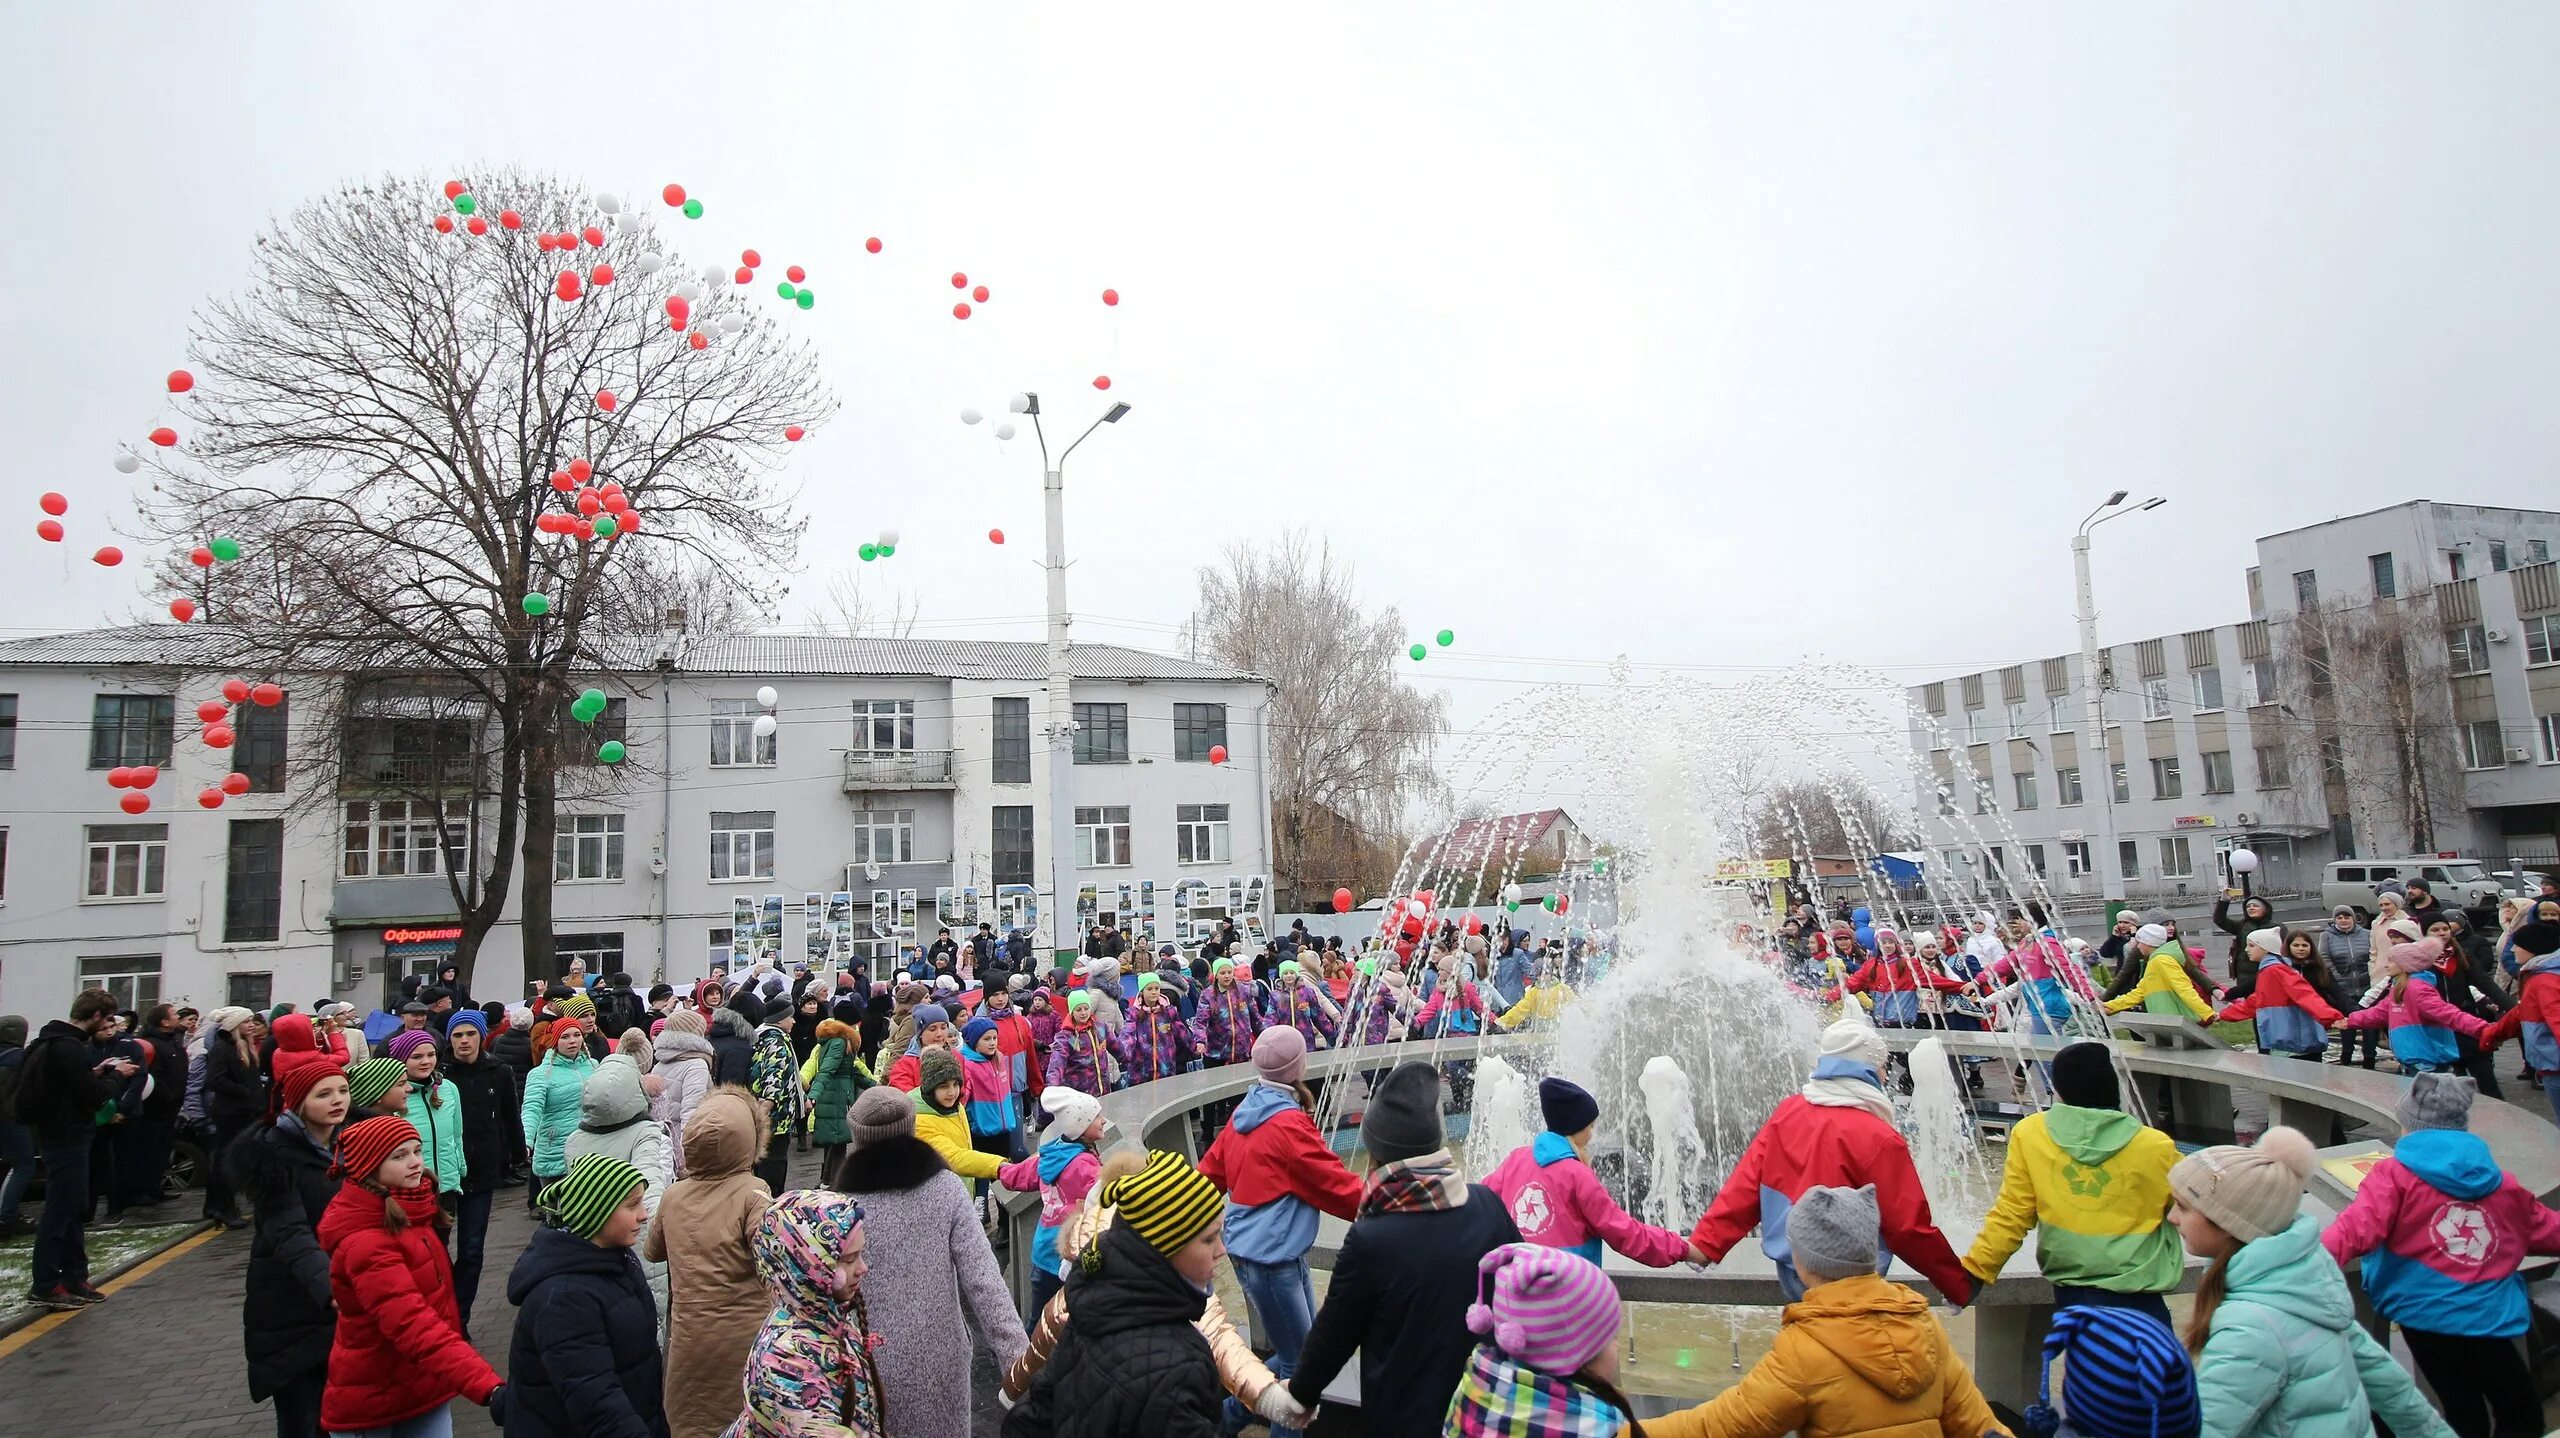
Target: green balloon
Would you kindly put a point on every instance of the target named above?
(607, 526)
(226, 550)
(785, 290)
(693, 209)
(1418, 652)
(1448, 637)
(869, 552)
(1511, 905)
(592, 698)
(1550, 903)
(583, 712)
(537, 605)
(611, 751)
(808, 299)
(464, 204)
(888, 549)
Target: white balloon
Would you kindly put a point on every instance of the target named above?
(1004, 431)
(731, 324)
(768, 696)
(648, 264)
(1019, 404)
(765, 725)
(610, 204)
(888, 538)
(970, 416)
(128, 463)
(1511, 893)
(714, 275)
(690, 294)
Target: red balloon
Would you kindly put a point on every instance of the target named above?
(675, 324)
(235, 783)
(235, 690)
(444, 224)
(119, 776)
(212, 798)
(135, 803)
(615, 503)
(586, 529)
(872, 244)
(960, 311)
(200, 557)
(995, 536)
(600, 276)
(698, 340)
(180, 381)
(605, 400)
(144, 776)
(979, 294)
(1111, 297)
(792, 432)
(567, 288)
(1564, 903)
(677, 309)
(1425, 897)
(629, 520)
(795, 274)
(52, 503)
(750, 259)
(580, 470)
(109, 555)
(212, 711)
(568, 240)
(545, 243)
(610, 490)
(1470, 924)
(164, 436)
(182, 609)
(561, 481)
(476, 225)
(673, 195)
(49, 530)
(959, 281)
(546, 522)
(744, 276)
(588, 504)
(1342, 901)
(510, 220)
(453, 188)
(267, 696)
(1217, 753)
(1102, 381)
(594, 236)
(218, 736)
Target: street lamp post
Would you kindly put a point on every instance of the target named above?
(2111, 868)
(1061, 729)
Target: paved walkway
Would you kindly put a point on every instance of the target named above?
(165, 1349)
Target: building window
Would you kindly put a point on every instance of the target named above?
(884, 836)
(2306, 589)
(2066, 786)
(2017, 718)
(1946, 801)
(603, 952)
(885, 726)
(1986, 799)
(1011, 845)
(2262, 681)
(417, 754)
(2207, 684)
(4, 865)
(2498, 555)
(742, 845)
(2075, 858)
(2166, 781)
(133, 978)
(2217, 772)
(2548, 723)
(397, 838)
(2025, 784)
(2155, 698)
(253, 886)
(1973, 726)
(2541, 639)
(8, 731)
(2175, 861)
(2386, 584)
(2129, 858)
(1102, 733)
(2466, 650)
(586, 848)
(250, 991)
(2035, 860)
(2537, 551)
(2456, 564)
(1198, 728)
(2333, 760)
(2275, 771)
(734, 744)
(613, 725)
(1102, 837)
(130, 729)
(258, 751)
(1200, 833)
(2484, 745)
(128, 861)
(1013, 741)
(2121, 783)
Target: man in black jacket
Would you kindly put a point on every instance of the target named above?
(144, 1139)
(492, 1139)
(59, 1093)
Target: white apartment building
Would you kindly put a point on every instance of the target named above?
(906, 787)
(2294, 732)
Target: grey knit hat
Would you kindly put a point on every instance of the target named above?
(1833, 1231)
(881, 1114)
(2437, 1101)
(1404, 1114)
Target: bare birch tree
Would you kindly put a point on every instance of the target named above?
(2371, 676)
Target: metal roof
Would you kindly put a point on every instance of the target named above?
(189, 646)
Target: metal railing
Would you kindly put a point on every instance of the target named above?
(897, 769)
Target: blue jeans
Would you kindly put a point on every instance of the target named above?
(435, 1423)
(2550, 1091)
(18, 1155)
(1284, 1308)
(470, 1239)
(62, 1252)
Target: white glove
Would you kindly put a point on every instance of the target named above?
(1004, 1400)
(1282, 1410)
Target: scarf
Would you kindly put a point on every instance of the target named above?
(1427, 1184)
(418, 1205)
(1846, 1083)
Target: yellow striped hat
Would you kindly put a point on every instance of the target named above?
(1168, 1203)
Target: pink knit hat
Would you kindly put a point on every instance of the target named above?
(1552, 1310)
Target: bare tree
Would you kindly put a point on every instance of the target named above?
(1845, 816)
(658, 580)
(849, 610)
(382, 418)
(1351, 742)
(2371, 675)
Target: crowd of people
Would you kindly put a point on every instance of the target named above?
(677, 1285)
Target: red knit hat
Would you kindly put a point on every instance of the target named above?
(363, 1146)
(299, 1080)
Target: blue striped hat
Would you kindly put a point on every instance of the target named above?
(2128, 1377)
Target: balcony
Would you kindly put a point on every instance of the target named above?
(869, 771)
(409, 773)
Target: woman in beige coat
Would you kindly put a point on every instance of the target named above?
(705, 1234)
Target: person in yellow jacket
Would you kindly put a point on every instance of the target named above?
(2165, 987)
(1543, 1003)
(943, 1123)
(1856, 1354)
(2094, 1182)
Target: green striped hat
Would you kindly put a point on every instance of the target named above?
(584, 1197)
(367, 1082)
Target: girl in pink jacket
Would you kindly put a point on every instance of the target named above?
(1557, 1202)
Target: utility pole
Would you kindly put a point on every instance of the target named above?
(2111, 869)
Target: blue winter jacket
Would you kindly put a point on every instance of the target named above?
(550, 1111)
(2458, 1165)
(1055, 1157)
(1513, 975)
(1284, 1228)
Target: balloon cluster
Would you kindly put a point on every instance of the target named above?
(1511, 898)
(588, 707)
(595, 512)
(1444, 639)
(881, 548)
(677, 199)
(767, 724)
(960, 281)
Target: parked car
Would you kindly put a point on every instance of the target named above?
(2460, 883)
(2521, 883)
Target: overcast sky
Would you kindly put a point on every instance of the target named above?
(1707, 336)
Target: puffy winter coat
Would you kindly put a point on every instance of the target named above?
(491, 1119)
(235, 1093)
(1155, 1043)
(947, 1130)
(2164, 987)
(684, 1063)
(1857, 1355)
(2284, 1355)
(1278, 1172)
(288, 1319)
(933, 1279)
(2094, 1183)
(705, 1234)
(550, 1110)
(2421, 1023)
(2292, 1016)
(1894, 982)
(1558, 1202)
(1400, 1291)
(1064, 1170)
(514, 1048)
(1130, 1363)
(986, 1087)
(1804, 1145)
(2444, 1230)
(1076, 1059)
(2536, 1015)
(439, 1125)
(1230, 1019)
(841, 1078)
(399, 1349)
(733, 1045)
(1020, 1050)
(583, 1361)
(1307, 1009)
(774, 1076)
(613, 1119)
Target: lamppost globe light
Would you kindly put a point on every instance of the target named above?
(2244, 861)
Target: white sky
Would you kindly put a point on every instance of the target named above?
(1708, 336)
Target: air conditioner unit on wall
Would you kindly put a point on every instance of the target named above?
(2497, 636)
(2244, 818)
(2517, 754)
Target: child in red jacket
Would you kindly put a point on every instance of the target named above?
(399, 1355)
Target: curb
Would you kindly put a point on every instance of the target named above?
(10, 1326)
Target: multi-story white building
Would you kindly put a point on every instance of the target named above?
(2396, 689)
(904, 787)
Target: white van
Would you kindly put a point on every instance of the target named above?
(2458, 883)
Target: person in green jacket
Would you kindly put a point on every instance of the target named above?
(551, 1097)
(837, 1077)
(2278, 1351)
(434, 1110)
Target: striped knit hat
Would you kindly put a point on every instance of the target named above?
(300, 1080)
(1552, 1310)
(2128, 1377)
(1168, 1203)
(363, 1146)
(584, 1197)
(577, 1006)
(407, 1042)
(367, 1082)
